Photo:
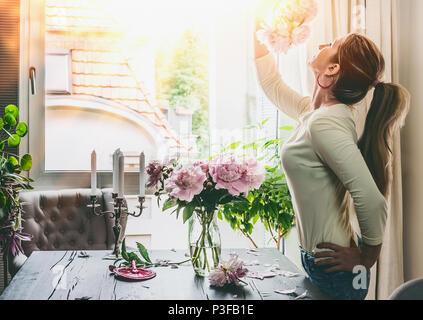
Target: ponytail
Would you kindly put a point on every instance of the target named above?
(361, 64)
(387, 113)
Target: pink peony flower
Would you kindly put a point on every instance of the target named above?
(228, 174)
(278, 40)
(236, 176)
(204, 165)
(289, 25)
(227, 272)
(255, 173)
(300, 34)
(186, 182)
(155, 172)
(308, 11)
(301, 11)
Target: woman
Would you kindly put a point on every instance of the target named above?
(324, 159)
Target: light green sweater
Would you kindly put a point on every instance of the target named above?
(321, 152)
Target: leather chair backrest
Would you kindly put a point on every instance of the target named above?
(61, 220)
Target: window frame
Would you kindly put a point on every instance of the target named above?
(32, 108)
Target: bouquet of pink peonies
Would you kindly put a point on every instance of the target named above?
(204, 183)
(199, 189)
(287, 24)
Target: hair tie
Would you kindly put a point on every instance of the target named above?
(376, 82)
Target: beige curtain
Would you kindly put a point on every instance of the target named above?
(377, 20)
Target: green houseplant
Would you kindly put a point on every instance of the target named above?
(271, 203)
(12, 181)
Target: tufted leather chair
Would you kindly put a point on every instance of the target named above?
(61, 220)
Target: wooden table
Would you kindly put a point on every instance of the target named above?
(63, 275)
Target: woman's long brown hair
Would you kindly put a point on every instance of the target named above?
(361, 63)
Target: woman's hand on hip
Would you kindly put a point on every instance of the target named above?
(340, 259)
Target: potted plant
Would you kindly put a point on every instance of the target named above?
(271, 202)
(12, 181)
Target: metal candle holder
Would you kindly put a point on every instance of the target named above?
(118, 209)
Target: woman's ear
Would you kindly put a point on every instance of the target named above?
(333, 69)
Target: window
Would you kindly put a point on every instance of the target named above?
(161, 77)
(164, 77)
(115, 79)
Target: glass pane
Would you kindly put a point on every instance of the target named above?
(125, 74)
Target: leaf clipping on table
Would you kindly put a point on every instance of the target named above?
(134, 256)
(123, 251)
(143, 251)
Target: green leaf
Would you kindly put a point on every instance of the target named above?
(11, 164)
(13, 110)
(188, 211)
(255, 219)
(240, 199)
(1, 123)
(123, 250)
(26, 162)
(143, 251)
(235, 145)
(10, 119)
(2, 146)
(287, 128)
(17, 225)
(2, 200)
(21, 129)
(13, 161)
(169, 204)
(219, 215)
(133, 256)
(225, 199)
(251, 145)
(14, 141)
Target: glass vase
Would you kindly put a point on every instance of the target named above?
(204, 241)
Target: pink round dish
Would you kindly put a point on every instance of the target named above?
(133, 273)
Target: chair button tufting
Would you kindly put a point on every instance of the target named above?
(53, 218)
(70, 217)
(46, 232)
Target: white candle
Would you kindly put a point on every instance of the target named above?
(93, 172)
(115, 170)
(142, 174)
(121, 175)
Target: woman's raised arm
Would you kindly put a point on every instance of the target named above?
(277, 91)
